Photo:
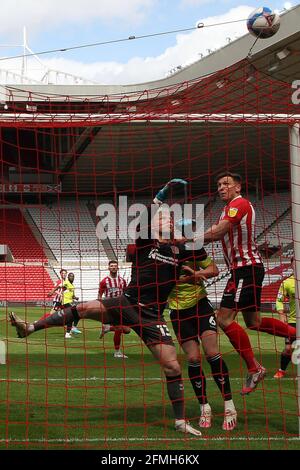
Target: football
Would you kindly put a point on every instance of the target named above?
(263, 23)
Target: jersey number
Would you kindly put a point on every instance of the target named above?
(164, 330)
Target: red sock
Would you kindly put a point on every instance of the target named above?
(46, 315)
(277, 328)
(117, 339)
(241, 343)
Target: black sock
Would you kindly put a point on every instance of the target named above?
(285, 359)
(70, 324)
(220, 374)
(175, 392)
(59, 318)
(198, 381)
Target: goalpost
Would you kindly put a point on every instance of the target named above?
(295, 200)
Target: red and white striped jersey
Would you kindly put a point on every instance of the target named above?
(112, 286)
(239, 245)
(58, 294)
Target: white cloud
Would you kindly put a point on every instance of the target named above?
(38, 15)
(186, 50)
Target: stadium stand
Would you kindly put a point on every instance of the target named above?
(15, 232)
(24, 283)
(270, 209)
(59, 225)
(280, 233)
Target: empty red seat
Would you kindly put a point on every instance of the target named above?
(16, 233)
(24, 283)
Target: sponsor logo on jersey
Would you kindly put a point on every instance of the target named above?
(175, 249)
(154, 254)
(232, 211)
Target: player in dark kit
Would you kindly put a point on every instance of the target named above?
(157, 266)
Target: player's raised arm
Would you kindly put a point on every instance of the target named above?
(176, 187)
(151, 228)
(217, 232)
(55, 289)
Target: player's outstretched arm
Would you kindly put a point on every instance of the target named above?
(51, 293)
(175, 187)
(217, 232)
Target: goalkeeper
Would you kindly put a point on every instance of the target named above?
(157, 266)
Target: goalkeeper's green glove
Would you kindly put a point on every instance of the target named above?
(178, 186)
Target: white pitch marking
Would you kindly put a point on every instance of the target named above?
(114, 379)
(149, 439)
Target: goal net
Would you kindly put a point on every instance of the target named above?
(64, 159)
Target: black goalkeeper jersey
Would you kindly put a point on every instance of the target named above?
(156, 268)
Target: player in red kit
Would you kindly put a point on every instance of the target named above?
(57, 292)
(236, 230)
(113, 286)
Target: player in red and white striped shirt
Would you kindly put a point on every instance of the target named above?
(58, 291)
(236, 230)
(113, 285)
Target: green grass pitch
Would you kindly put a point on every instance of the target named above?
(72, 394)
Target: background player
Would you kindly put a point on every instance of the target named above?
(113, 285)
(68, 300)
(286, 292)
(157, 266)
(193, 317)
(236, 229)
(58, 291)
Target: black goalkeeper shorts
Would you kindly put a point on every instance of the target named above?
(148, 323)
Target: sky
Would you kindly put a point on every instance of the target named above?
(56, 24)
